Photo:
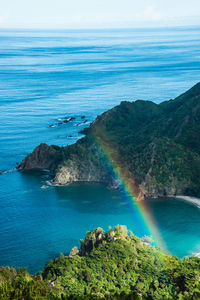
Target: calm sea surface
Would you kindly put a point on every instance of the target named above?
(46, 76)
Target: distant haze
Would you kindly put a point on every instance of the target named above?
(98, 13)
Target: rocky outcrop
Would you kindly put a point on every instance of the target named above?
(74, 252)
(43, 157)
(96, 237)
(93, 239)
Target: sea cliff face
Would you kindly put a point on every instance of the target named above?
(72, 171)
(154, 148)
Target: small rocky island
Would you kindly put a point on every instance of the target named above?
(153, 147)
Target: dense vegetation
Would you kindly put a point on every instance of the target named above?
(158, 144)
(113, 265)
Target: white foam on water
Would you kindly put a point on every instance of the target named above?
(7, 171)
(197, 254)
(193, 200)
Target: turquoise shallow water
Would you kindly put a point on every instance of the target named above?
(45, 76)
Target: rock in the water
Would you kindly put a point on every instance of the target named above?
(69, 120)
(3, 172)
(44, 187)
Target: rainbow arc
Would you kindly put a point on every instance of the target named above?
(130, 190)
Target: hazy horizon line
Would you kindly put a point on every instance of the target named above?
(153, 26)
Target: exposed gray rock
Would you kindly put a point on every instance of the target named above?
(74, 252)
(86, 171)
(93, 239)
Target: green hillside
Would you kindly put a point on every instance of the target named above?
(112, 265)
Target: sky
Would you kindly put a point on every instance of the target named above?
(97, 13)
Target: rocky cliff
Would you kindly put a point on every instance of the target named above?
(154, 148)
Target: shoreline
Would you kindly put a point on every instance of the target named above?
(193, 200)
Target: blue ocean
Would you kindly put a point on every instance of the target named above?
(46, 76)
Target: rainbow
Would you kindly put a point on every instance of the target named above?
(130, 191)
